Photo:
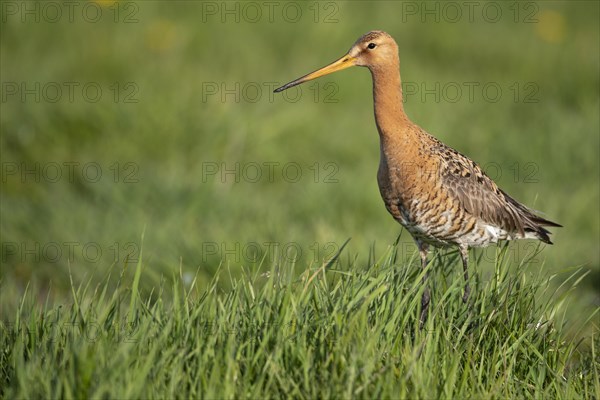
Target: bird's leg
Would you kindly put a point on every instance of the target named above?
(423, 250)
(464, 255)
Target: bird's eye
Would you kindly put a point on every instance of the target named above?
(372, 46)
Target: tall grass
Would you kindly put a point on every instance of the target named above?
(340, 329)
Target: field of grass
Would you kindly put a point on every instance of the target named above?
(123, 120)
(338, 330)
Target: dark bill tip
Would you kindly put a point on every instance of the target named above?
(286, 86)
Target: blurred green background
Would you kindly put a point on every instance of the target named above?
(123, 118)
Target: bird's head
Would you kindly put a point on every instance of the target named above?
(372, 50)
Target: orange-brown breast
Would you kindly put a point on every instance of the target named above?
(411, 183)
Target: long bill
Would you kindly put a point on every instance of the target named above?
(346, 61)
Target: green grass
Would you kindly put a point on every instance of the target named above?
(339, 330)
(356, 321)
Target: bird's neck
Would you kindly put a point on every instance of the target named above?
(389, 108)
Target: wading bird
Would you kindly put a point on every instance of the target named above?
(439, 195)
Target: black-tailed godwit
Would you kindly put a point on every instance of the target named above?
(439, 195)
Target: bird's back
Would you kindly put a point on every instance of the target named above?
(444, 198)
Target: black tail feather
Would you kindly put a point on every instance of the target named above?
(533, 222)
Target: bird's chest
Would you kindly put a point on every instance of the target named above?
(403, 188)
(411, 194)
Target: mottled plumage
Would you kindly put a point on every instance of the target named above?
(439, 195)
